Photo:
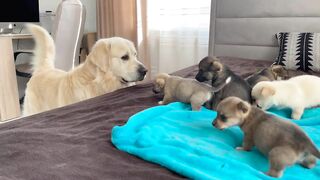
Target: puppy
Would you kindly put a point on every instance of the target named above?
(296, 93)
(111, 65)
(272, 73)
(283, 142)
(184, 90)
(211, 69)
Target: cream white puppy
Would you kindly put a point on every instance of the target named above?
(296, 93)
(111, 65)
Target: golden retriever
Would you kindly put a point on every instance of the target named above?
(111, 65)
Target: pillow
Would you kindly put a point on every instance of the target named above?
(299, 50)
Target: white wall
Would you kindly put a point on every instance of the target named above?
(90, 26)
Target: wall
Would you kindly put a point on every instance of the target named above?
(90, 26)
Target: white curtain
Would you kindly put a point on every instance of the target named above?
(177, 33)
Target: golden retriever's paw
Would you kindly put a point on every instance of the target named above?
(160, 102)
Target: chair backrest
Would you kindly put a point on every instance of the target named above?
(67, 32)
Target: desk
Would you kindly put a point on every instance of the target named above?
(9, 96)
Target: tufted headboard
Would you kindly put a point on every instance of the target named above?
(246, 28)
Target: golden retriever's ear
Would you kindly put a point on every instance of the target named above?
(267, 91)
(100, 53)
(243, 107)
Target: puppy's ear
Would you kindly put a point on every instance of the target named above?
(267, 91)
(161, 82)
(243, 107)
(108, 46)
(217, 66)
(279, 70)
(163, 76)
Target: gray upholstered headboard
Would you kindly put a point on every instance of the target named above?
(246, 28)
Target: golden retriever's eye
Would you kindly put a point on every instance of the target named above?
(125, 57)
(135, 54)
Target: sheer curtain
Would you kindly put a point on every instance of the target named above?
(177, 33)
(169, 34)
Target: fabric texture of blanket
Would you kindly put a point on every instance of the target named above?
(185, 142)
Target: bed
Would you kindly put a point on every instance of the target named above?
(73, 142)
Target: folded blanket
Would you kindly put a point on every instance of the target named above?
(185, 141)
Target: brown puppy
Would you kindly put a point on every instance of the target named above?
(272, 73)
(282, 141)
(184, 90)
(212, 69)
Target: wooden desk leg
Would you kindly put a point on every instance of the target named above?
(9, 97)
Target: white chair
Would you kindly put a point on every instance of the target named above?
(67, 33)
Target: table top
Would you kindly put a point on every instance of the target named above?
(17, 36)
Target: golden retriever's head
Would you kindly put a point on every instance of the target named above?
(119, 56)
(231, 112)
(160, 83)
(263, 94)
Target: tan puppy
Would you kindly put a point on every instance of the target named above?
(111, 65)
(282, 141)
(184, 90)
(297, 93)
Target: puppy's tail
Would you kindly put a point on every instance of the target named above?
(44, 52)
(313, 150)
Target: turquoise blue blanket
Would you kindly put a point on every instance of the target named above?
(186, 142)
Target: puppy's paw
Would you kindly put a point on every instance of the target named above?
(297, 113)
(309, 161)
(274, 173)
(160, 102)
(240, 148)
(296, 116)
(196, 108)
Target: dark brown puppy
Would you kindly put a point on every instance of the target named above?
(282, 141)
(211, 69)
(272, 73)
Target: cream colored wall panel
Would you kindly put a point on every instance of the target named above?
(268, 8)
(246, 28)
(260, 31)
(251, 52)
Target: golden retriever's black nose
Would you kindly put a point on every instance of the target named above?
(142, 70)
